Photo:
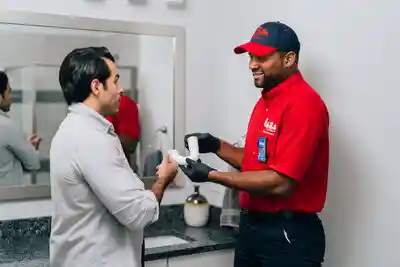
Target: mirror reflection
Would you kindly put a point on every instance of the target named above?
(32, 104)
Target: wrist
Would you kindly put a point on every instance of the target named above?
(158, 190)
(213, 175)
(161, 183)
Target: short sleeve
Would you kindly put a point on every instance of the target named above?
(301, 130)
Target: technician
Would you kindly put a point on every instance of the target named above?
(284, 164)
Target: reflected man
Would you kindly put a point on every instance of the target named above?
(17, 153)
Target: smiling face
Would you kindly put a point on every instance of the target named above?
(272, 69)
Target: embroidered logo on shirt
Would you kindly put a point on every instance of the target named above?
(269, 127)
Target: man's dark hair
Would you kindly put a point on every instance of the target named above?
(3, 82)
(79, 68)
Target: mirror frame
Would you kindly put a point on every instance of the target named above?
(177, 33)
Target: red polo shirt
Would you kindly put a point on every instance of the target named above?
(293, 120)
(126, 121)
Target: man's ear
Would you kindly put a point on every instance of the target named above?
(289, 59)
(95, 86)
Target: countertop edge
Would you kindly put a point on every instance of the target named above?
(172, 253)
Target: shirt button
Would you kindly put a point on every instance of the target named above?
(254, 153)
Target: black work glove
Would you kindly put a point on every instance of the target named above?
(196, 171)
(207, 142)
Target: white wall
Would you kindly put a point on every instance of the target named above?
(348, 54)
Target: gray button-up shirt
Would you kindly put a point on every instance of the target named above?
(100, 205)
(16, 153)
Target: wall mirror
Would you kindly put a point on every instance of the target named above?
(150, 59)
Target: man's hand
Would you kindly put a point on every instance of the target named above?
(196, 171)
(207, 142)
(167, 170)
(34, 140)
(166, 173)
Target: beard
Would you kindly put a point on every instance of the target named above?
(267, 82)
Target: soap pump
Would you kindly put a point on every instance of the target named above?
(196, 209)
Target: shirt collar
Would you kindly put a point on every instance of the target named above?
(283, 85)
(100, 122)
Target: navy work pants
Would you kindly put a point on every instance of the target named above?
(285, 239)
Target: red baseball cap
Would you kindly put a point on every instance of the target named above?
(271, 37)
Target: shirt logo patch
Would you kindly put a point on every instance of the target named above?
(269, 127)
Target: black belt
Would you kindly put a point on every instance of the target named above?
(287, 214)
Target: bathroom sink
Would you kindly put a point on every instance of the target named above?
(162, 241)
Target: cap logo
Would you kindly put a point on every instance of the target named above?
(260, 32)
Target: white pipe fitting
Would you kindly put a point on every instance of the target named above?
(193, 144)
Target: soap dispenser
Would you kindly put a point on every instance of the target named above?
(196, 209)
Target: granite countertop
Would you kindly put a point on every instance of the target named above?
(26, 242)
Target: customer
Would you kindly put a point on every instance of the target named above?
(17, 153)
(100, 205)
(284, 164)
